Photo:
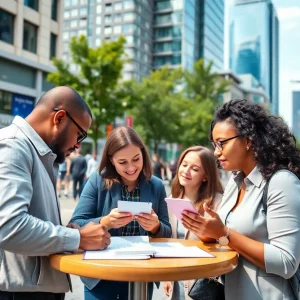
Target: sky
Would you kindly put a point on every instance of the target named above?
(288, 12)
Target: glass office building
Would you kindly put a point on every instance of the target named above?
(186, 30)
(211, 33)
(253, 44)
(296, 113)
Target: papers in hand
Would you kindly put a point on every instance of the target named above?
(134, 208)
(138, 247)
(177, 206)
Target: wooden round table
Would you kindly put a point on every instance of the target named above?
(139, 272)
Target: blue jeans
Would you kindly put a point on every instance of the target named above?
(111, 290)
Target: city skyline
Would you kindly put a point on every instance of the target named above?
(288, 12)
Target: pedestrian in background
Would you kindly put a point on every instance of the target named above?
(63, 177)
(158, 169)
(196, 180)
(257, 147)
(77, 170)
(125, 173)
(30, 223)
(92, 166)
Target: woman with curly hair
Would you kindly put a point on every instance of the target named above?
(255, 145)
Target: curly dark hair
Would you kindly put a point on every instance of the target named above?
(273, 143)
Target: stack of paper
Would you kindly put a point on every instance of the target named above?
(178, 250)
(138, 247)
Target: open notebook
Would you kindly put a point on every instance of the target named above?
(139, 247)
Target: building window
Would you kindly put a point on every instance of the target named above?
(128, 4)
(108, 7)
(6, 27)
(118, 6)
(30, 37)
(74, 12)
(83, 11)
(74, 24)
(118, 18)
(53, 39)
(98, 20)
(107, 30)
(34, 4)
(5, 102)
(54, 10)
(83, 23)
(117, 29)
(108, 19)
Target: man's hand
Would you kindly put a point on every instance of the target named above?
(94, 236)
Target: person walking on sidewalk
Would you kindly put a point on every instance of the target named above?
(30, 222)
(77, 170)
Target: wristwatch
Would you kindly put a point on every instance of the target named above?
(223, 240)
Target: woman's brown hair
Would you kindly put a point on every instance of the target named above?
(119, 138)
(207, 189)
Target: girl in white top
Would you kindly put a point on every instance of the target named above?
(196, 180)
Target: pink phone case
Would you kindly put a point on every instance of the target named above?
(177, 206)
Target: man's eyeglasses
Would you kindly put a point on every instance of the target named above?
(83, 133)
(219, 144)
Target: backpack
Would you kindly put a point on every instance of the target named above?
(295, 280)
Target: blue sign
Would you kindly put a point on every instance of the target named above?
(22, 105)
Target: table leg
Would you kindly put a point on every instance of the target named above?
(138, 291)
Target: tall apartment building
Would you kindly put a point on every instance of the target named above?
(254, 45)
(29, 38)
(158, 33)
(107, 20)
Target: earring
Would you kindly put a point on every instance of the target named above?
(247, 148)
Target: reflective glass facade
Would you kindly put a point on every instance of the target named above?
(198, 25)
(211, 34)
(253, 46)
(296, 113)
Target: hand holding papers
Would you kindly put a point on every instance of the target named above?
(138, 247)
(177, 206)
(134, 208)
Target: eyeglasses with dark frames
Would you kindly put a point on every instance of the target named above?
(83, 133)
(219, 144)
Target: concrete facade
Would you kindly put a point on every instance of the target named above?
(18, 65)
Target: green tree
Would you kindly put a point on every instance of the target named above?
(99, 70)
(203, 89)
(156, 106)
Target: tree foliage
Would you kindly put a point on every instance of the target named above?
(156, 106)
(203, 89)
(99, 70)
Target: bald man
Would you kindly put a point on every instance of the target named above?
(30, 224)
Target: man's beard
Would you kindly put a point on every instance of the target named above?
(56, 149)
(56, 146)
